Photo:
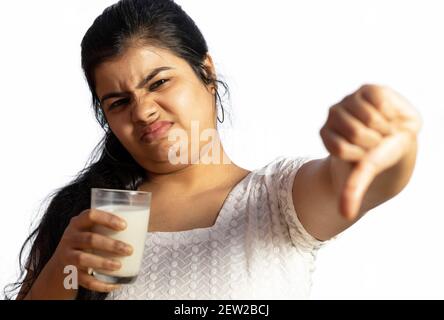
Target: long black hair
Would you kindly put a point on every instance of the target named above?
(161, 23)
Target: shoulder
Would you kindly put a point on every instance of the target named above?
(283, 168)
(278, 178)
(274, 181)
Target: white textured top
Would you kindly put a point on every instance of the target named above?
(257, 248)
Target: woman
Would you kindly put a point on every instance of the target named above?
(216, 230)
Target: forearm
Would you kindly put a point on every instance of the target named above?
(49, 285)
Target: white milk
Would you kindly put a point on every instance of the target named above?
(137, 219)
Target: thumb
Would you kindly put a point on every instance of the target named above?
(355, 187)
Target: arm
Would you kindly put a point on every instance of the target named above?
(331, 194)
(48, 285)
(75, 249)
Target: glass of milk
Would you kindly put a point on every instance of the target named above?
(134, 208)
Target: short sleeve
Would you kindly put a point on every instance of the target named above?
(286, 169)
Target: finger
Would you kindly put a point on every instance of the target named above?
(88, 218)
(381, 99)
(90, 240)
(390, 151)
(89, 282)
(352, 129)
(88, 260)
(340, 147)
(367, 114)
(355, 188)
(410, 117)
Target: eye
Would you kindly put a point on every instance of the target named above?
(118, 103)
(157, 84)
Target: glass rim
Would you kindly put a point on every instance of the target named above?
(122, 191)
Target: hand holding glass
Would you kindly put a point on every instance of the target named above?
(134, 208)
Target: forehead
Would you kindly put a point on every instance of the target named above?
(127, 69)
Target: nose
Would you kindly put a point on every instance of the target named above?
(144, 111)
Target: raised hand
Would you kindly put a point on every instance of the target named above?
(78, 242)
(369, 131)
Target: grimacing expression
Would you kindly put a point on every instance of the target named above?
(147, 84)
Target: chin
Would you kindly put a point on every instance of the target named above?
(156, 159)
(156, 153)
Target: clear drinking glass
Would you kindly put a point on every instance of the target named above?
(134, 208)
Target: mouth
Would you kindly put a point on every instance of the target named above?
(156, 131)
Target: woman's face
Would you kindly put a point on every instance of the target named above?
(148, 88)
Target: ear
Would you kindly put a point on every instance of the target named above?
(211, 72)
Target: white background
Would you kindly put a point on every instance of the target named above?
(286, 62)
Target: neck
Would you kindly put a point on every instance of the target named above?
(194, 178)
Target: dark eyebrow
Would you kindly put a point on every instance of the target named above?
(142, 83)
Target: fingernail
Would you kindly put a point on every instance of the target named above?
(350, 216)
(121, 224)
(114, 287)
(128, 249)
(114, 264)
(123, 248)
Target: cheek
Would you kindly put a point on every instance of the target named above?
(122, 131)
(193, 104)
